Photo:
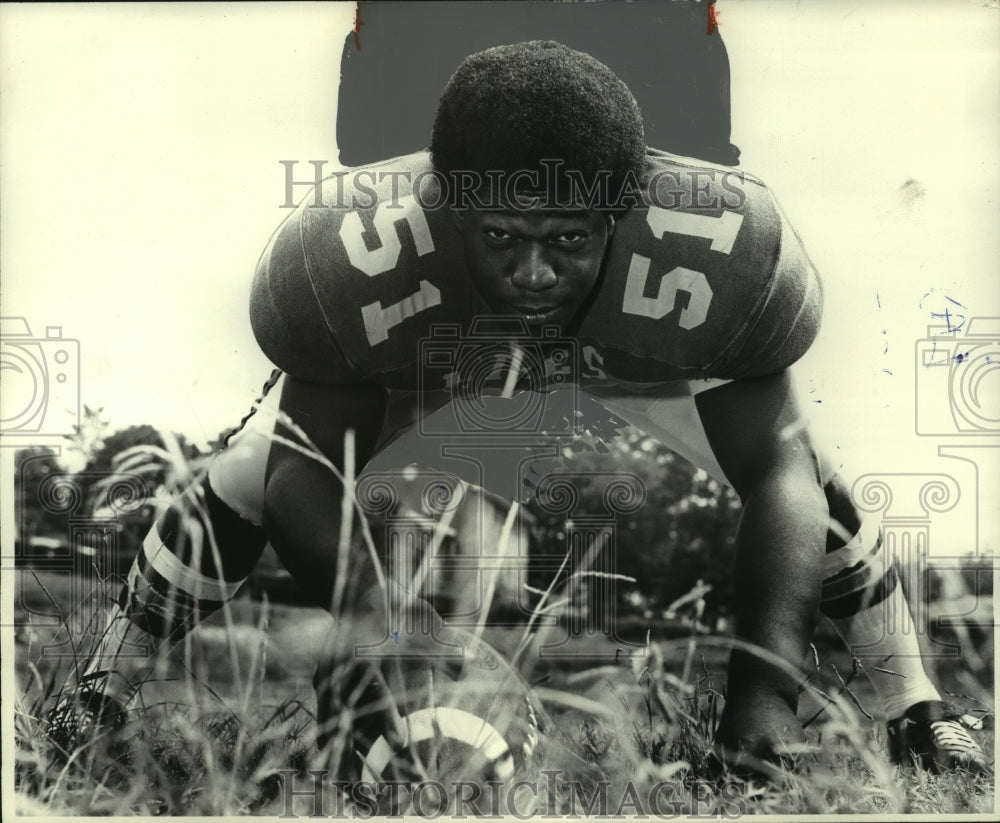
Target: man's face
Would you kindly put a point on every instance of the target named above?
(538, 263)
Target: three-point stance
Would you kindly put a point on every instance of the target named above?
(693, 296)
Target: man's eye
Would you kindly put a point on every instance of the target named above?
(498, 235)
(570, 237)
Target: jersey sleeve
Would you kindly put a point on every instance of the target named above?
(286, 316)
(785, 321)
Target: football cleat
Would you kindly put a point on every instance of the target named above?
(80, 717)
(931, 736)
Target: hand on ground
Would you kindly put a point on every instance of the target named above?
(757, 732)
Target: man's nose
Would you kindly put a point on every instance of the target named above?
(534, 271)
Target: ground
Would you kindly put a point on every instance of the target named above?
(235, 706)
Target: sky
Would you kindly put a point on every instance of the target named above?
(140, 180)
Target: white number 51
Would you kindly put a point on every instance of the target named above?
(721, 230)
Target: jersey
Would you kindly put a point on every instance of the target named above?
(703, 279)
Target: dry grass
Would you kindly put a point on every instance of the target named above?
(212, 730)
(208, 743)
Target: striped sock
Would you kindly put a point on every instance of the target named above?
(868, 609)
(175, 580)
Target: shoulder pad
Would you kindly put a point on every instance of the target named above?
(359, 273)
(695, 275)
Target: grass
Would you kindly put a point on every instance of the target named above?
(207, 742)
(217, 722)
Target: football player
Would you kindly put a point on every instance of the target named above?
(690, 295)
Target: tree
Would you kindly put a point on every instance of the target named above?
(682, 533)
(156, 463)
(124, 477)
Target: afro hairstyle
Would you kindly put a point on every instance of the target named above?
(508, 108)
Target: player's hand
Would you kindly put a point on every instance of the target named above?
(757, 731)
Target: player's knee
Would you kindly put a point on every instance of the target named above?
(237, 475)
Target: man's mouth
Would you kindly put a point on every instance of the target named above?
(538, 314)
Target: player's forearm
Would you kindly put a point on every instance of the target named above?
(303, 497)
(302, 516)
(778, 571)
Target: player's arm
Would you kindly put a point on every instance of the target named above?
(758, 435)
(302, 498)
(325, 392)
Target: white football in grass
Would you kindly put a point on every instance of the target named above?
(423, 702)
